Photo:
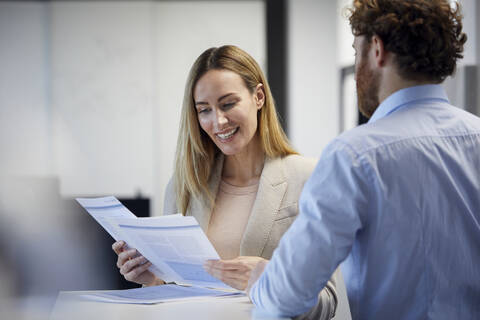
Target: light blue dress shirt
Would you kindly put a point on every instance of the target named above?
(398, 200)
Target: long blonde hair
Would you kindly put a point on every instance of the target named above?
(195, 155)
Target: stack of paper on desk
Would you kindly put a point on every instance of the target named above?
(156, 294)
(175, 245)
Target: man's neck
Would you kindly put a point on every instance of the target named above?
(391, 82)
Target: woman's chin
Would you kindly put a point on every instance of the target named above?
(229, 151)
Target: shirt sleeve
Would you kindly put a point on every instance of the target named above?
(331, 207)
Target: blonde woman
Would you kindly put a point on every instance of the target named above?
(235, 172)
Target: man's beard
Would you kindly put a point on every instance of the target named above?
(368, 83)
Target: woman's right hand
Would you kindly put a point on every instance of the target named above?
(133, 266)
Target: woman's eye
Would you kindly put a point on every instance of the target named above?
(204, 110)
(228, 105)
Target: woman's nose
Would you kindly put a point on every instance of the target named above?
(221, 119)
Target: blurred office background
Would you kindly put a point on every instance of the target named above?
(90, 97)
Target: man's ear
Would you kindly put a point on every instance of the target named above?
(259, 96)
(378, 51)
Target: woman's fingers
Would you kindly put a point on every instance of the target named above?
(232, 273)
(234, 264)
(118, 246)
(234, 282)
(136, 272)
(125, 256)
(229, 275)
(235, 272)
(130, 265)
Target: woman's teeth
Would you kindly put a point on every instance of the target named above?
(227, 134)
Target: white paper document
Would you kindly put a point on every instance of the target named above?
(106, 207)
(175, 245)
(155, 294)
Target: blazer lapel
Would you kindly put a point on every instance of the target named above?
(200, 207)
(271, 190)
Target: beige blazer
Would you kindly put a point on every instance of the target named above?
(274, 210)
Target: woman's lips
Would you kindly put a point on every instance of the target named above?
(225, 135)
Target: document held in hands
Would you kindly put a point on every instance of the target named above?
(175, 245)
(104, 208)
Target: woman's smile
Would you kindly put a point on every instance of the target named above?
(227, 135)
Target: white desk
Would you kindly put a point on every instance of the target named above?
(70, 305)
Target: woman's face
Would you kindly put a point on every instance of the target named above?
(226, 109)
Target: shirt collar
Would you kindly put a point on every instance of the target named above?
(405, 96)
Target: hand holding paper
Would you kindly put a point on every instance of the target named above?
(175, 245)
(234, 272)
(133, 266)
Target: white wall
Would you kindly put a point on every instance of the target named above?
(345, 53)
(313, 74)
(455, 85)
(346, 58)
(102, 97)
(25, 122)
(470, 28)
(91, 91)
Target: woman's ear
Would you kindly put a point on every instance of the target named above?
(259, 96)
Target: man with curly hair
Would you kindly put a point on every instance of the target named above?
(397, 200)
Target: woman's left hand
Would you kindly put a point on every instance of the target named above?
(234, 272)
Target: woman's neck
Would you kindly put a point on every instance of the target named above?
(244, 168)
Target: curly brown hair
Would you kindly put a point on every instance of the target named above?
(425, 35)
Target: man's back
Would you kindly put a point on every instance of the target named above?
(417, 254)
(398, 199)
